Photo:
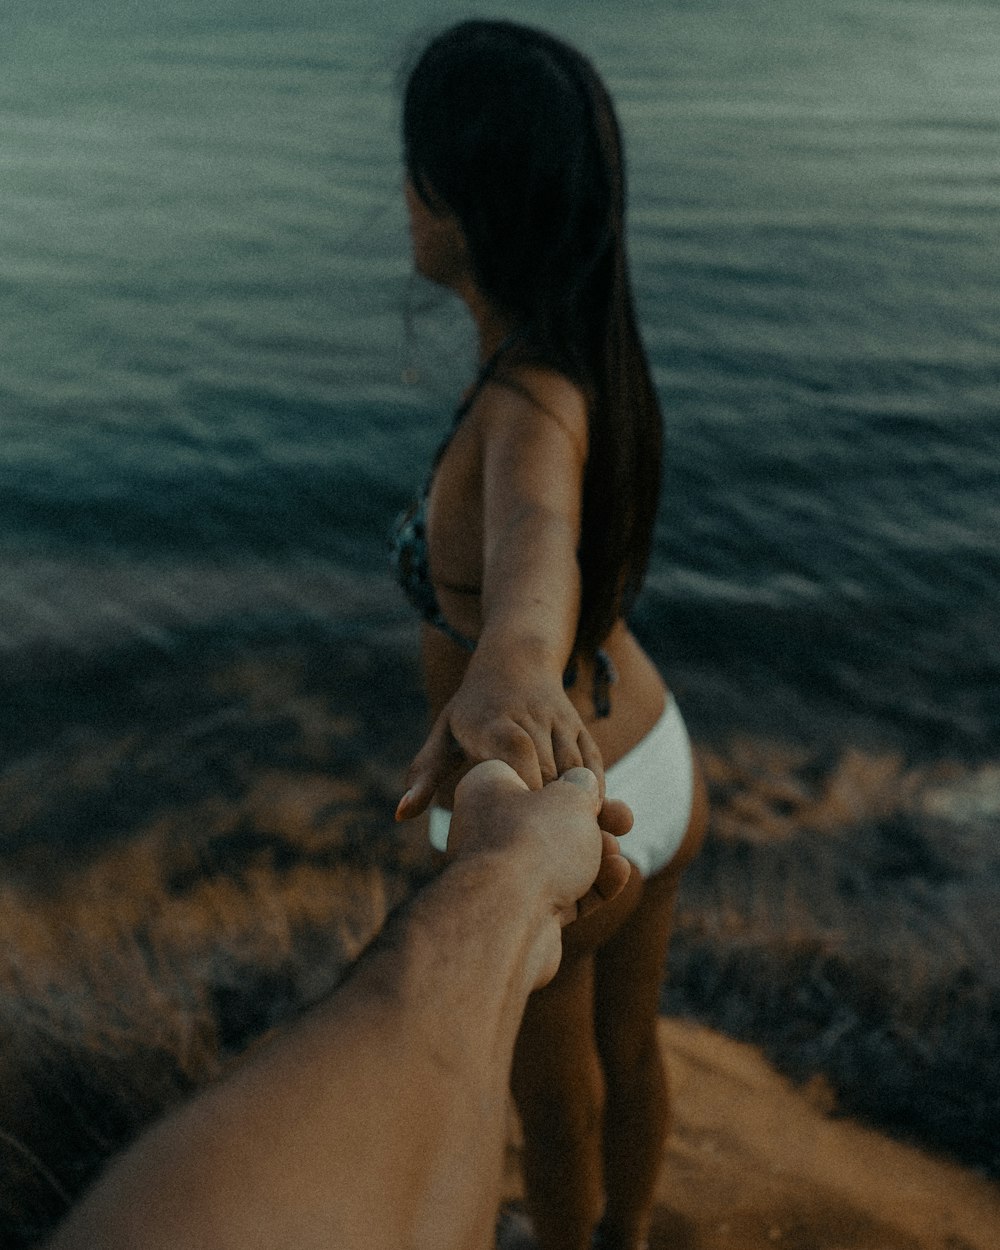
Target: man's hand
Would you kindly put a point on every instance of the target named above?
(564, 831)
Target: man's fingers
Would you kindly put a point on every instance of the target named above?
(615, 870)
(584, 779)
(612, 877)
(492, 773)
(615, 817)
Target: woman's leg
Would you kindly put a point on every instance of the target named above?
(628, 974)
(556, 1081)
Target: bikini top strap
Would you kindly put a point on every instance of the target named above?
(486, 371)
(482, 377)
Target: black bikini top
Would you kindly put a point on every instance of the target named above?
(410, 558)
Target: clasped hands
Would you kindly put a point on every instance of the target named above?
(509, 742)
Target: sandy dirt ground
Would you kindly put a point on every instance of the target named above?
(754, 1163)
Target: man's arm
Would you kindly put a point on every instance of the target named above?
(379, 1118)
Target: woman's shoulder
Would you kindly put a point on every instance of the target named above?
(534, 394)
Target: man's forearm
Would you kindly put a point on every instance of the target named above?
(471, 944)
(449, 984)
(396, 1085)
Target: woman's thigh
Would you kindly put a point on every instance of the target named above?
(629, 965)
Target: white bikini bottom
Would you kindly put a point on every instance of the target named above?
(655, 778)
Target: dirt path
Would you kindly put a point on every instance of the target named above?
(753, 1164)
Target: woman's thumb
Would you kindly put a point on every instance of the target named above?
(425, 772)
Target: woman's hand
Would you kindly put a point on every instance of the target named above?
(523, 718)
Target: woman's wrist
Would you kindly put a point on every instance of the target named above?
(512, 651)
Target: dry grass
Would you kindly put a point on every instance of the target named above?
(197, 867)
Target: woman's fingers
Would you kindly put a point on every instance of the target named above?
(529, 756)
(427, 768)
(537, 752)
(566, 752)
(546, 755)
(590, 756)
(531, 759)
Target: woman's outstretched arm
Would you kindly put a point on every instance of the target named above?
(511, 704)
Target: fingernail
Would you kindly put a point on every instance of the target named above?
(403, 803)
(580, 776)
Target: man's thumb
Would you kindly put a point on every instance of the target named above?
(581, 777)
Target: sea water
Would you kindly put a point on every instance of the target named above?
(207, 321)
(219, 382)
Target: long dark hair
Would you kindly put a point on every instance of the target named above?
(513, 131)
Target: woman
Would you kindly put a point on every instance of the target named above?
(525, 552)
